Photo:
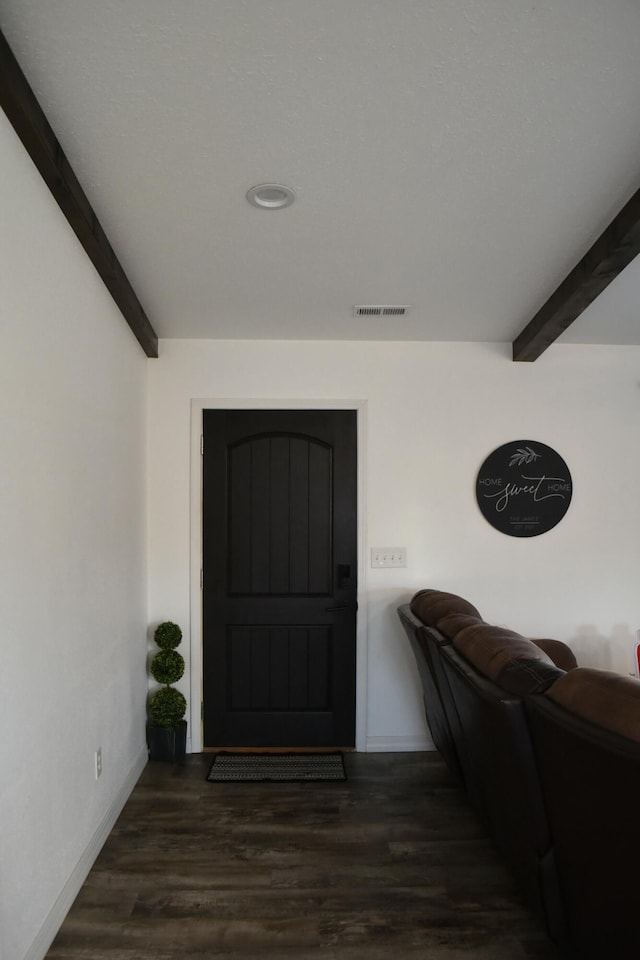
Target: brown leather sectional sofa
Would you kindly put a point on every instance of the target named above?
(549, 754)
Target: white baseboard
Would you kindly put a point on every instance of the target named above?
(71, 889)
(398, 744)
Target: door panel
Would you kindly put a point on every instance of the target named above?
(279, 586)
(279, 668)
(279, 512)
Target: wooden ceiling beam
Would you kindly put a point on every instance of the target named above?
(614, 249)
(28, 120)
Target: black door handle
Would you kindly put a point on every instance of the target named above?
(341, 607)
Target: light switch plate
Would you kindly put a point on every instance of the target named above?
(388, 557)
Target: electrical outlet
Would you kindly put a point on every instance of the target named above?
(98, 759)
(388, 557)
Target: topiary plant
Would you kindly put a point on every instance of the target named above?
(168, 635)
(167, 666)
(167, 706)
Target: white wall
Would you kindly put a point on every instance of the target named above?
(434, 412)
(72, 563)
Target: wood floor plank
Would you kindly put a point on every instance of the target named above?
(389, 864)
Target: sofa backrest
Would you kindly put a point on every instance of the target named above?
(488, 726)
(501, 776)
(434, 709)
(586, 736)
(607, 700)
(489, 648)
(482, 673)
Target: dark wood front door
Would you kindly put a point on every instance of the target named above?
(279, 577)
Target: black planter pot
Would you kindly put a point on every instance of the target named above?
(167, 743)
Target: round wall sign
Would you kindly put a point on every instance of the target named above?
(524, 488)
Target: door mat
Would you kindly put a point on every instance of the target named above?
(276, 767)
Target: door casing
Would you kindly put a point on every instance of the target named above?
(195, 738)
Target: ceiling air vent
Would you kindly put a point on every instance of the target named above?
(380, 310)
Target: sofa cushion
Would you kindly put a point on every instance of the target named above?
(491, 649)
(452, 623)
(523, 676)
(607, 699)
(432, 605)
(562, 655)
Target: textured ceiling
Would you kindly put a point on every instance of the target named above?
(459, 157)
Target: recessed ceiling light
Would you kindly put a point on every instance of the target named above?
(271, 196)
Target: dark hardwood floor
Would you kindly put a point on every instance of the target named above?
(390, 864)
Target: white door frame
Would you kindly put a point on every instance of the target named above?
(195, 743)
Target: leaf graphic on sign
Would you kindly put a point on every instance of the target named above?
(523, 455)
